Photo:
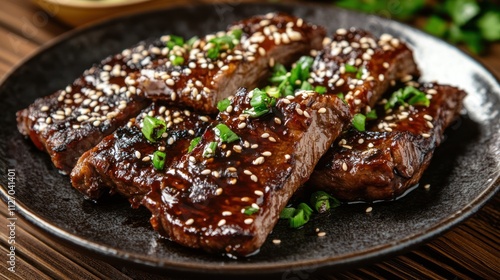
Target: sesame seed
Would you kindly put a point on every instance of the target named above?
(307, 114)
(426, 135)
(339, 82)
(218, 191)
(277, 120)
(427, 117)
(96, 123)
(259, 193)
(231, 169)
(265, 135)
(361, 141)
(137, 154)
(272, 139)
(247, 172)
(253, 178)
(287, 157)
(386, 65)
(206, 172)
(298, 110)
(369, 209)
(242, 125)
(255, 206)
(341, 31)
(204, 118)
(229, 109)
(370, 145)
(276, 241)
(192, 159)
(381, 77)
(248, 221)
(245, 199)
(266, 154)
(227, 213)
(429, 124)
(322, 110)
(431, 91)
(189, 222)
(44, 108)
(237, 148)
(321, 233)
(258, 161)
(427, 186)
(344, 166)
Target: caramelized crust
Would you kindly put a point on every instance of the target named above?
(73, 120)
(203, 200)
(362, 67)
(390, 157)
(122, 162)
(201, 81)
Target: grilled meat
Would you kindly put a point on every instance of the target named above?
(226, 197)
(391, 155)
(208, 76)
(362, 67)
(73, 120)
(122, 161)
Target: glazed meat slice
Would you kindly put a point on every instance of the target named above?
(73, 120)
(390, 157)
(226, 197)
(123, 161)
(362, 67)
(207, 76)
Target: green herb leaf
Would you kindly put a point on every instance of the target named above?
(178, 60)
(320, 89)
(193, 143)
(191, 41)
(372, 115)
(223, 104)
(225, 133)
(436, 26)
(306, 86)
(320, 201)
(237, 33)
(210, 149)
(153, 128)
(350, 68)
(489, 25)
(462, 11)
(358, 121)
(159, 160)
(175, 41)
(407, 95)
(249, 210)
(287, 213)
(300, 216)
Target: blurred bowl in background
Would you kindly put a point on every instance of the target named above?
(79, 12)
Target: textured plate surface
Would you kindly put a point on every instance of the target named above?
(463, 173)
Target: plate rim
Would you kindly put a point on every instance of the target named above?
(344, 260)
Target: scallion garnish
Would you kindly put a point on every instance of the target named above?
(358, 121)
(191, 41)
(223, 104)
(210, 149)
(372, 115)
(288, 82)
(178, 60)
(250, 210)
(320, 89)
(223, 43)
(261, 103)
(322, 202)
(159, 160)
(408, 95)
(153, 128)
(225, 133)
(175, 41)
(300, 216)
(306, 86)
(350, 68)
(193, 143)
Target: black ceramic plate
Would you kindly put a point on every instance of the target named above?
(463, 173)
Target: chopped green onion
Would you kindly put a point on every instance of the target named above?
(273, 92)
(359, 74)
(341, 96)
(306, 86)
(213, 53)
(322, 202)
(153, 128)
(223, 104)
(210, 149)
(250, 210)
(408, 95)
(193, 143)
(320, 89)
(237, 33)
(178, 60)
(300, 216)
(191, 41)
(261, 103)
(175, 41)
(287, 213)
(358, 121)
(372, 115)
(350, 68)
(225, 133)
(159, 160)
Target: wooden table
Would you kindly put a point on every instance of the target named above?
(470, 250)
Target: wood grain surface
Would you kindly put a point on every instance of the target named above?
(468, 251)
